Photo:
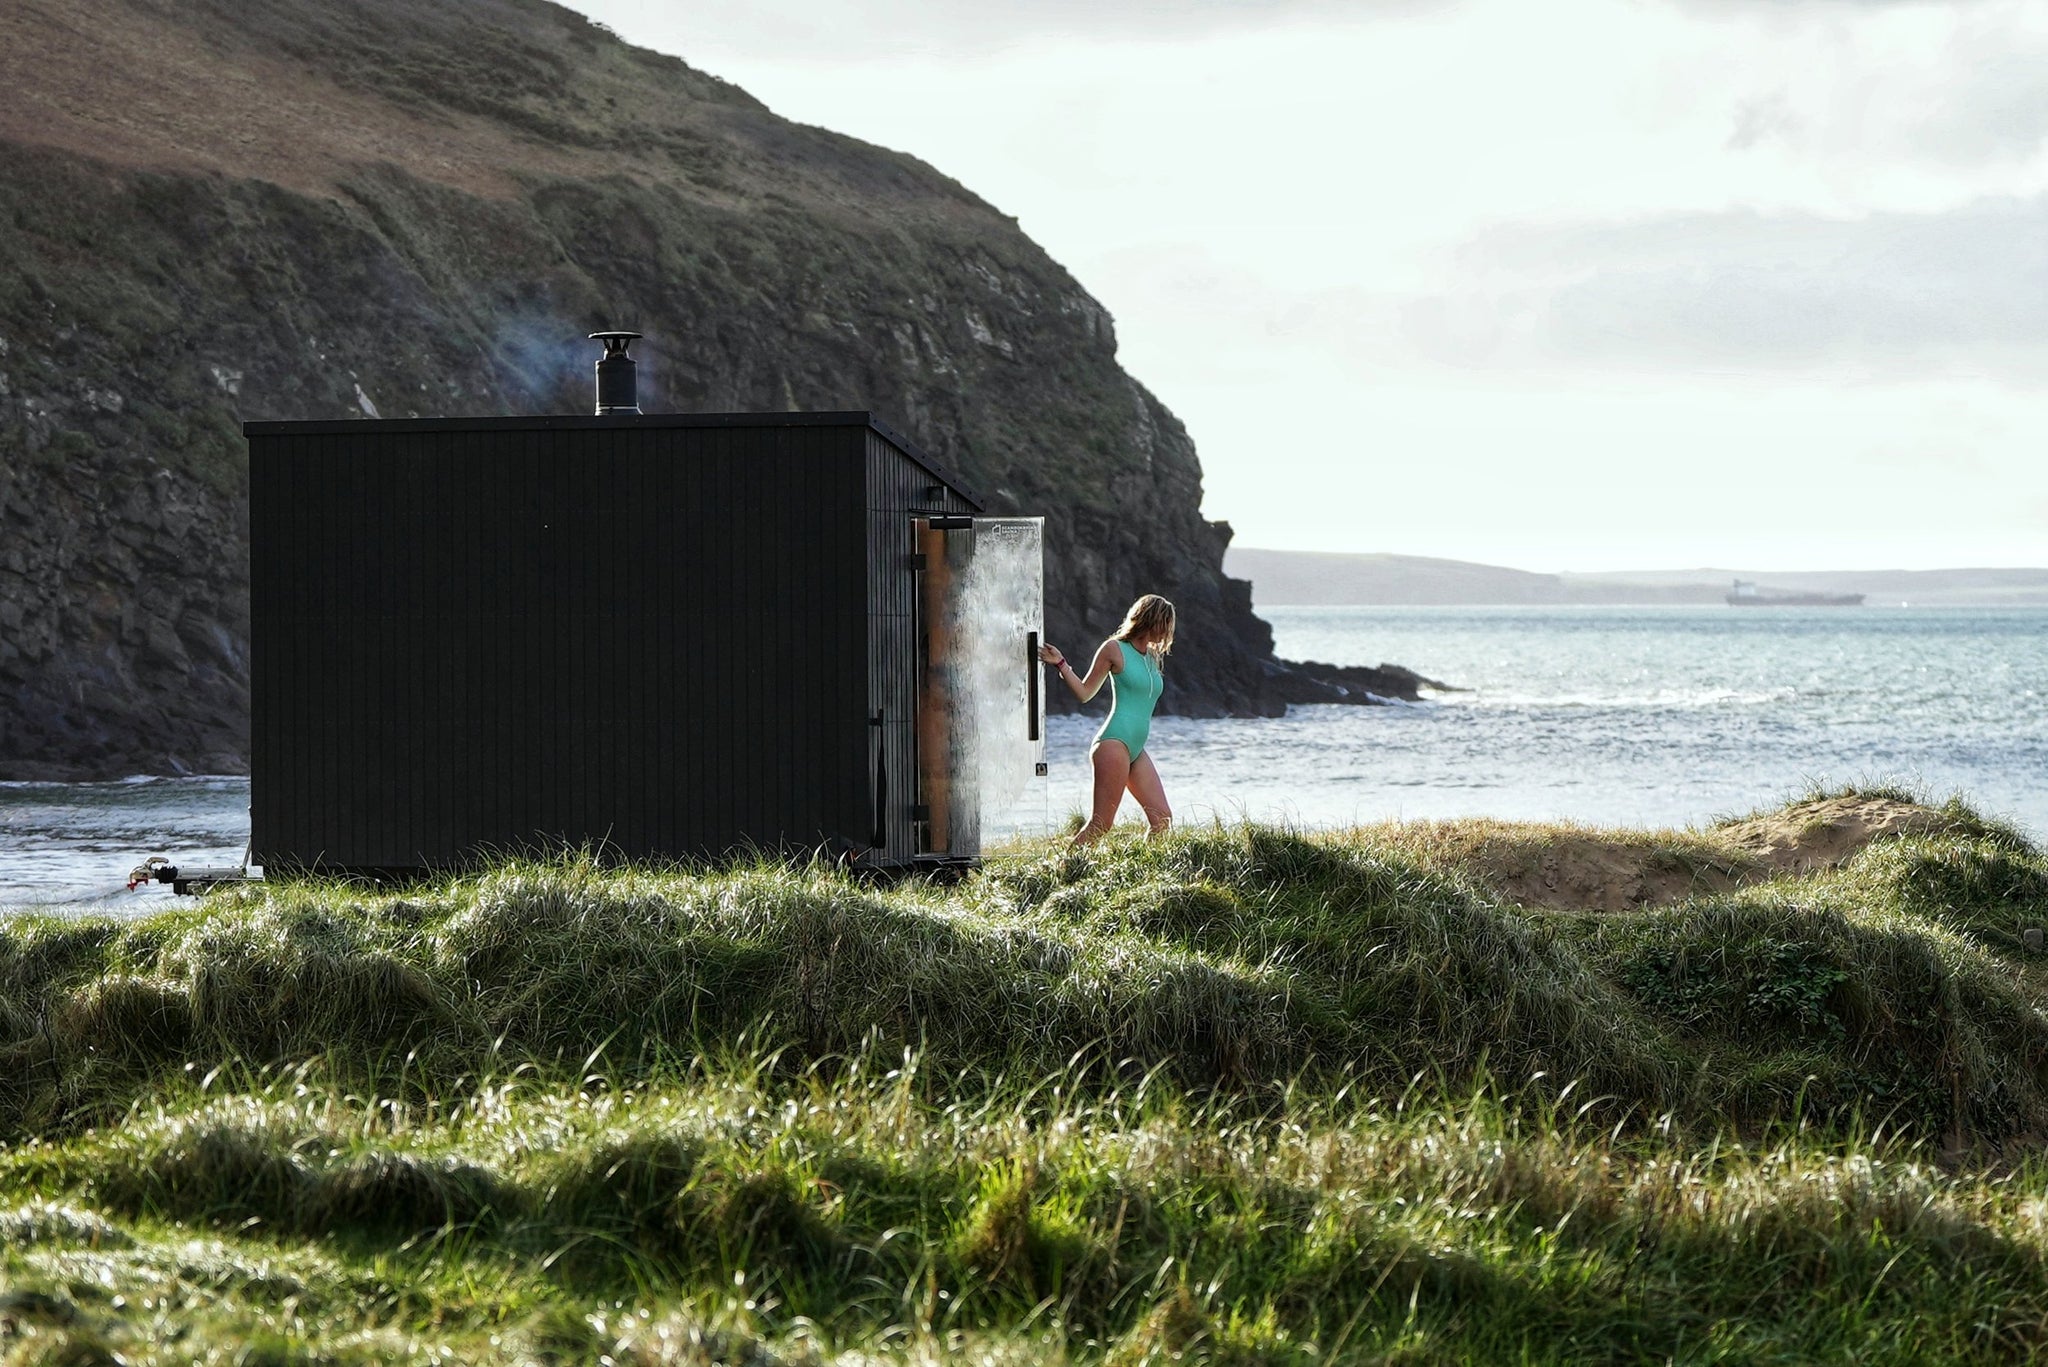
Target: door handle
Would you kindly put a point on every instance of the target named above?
(1031, 673)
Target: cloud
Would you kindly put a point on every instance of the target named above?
(1996, 106)
(1841, 82)
(1886, 297)
(1957, 292)
(1763, 118)
(1799, 7)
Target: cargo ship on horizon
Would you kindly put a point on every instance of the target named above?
(1748, 595)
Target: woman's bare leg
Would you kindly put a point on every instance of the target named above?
(1112, 771)
(1151, 794)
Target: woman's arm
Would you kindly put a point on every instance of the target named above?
(1108, 660)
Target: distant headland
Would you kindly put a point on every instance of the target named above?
(1282, 578)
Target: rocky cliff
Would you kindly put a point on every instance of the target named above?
(215, 211)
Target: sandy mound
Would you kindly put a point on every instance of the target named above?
(1819, 834)
(1571, 868)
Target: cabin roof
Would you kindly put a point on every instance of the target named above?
(574, 422)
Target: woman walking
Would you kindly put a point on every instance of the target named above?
(1134, 661)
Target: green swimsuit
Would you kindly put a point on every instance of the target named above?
(1133, 694)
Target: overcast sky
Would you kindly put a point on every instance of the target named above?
(1585, 284)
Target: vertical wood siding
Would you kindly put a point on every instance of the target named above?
(658, 638)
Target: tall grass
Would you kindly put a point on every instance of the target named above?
(1233, 960)
(1241, 1095)
(767, 1214)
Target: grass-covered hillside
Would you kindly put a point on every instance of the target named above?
(1244, 1095)
(220, 210)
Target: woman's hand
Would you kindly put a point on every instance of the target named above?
(1050, 655)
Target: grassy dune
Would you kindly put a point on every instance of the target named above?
(1245, 1095)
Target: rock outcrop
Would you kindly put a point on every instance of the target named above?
(212, 212)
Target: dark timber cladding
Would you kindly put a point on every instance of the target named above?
(671, 635)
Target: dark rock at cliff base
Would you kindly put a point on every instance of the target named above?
(212, 212)
(1310, 681)
(1284, 683)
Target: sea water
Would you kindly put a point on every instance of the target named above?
(73, 845)
(1636, 716)
(1667, 716)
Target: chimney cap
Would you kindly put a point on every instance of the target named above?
(616, 341)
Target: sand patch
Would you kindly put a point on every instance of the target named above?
(1580, 868)
(1810, 836)
(1595, 872)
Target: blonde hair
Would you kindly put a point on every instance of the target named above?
(1150, 617)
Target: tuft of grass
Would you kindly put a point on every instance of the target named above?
(131, 1018)
(1977, 886)
(1037, 1245)
(237, 1164)
(1800, 1002)
(53, 1223)
(622, 1184)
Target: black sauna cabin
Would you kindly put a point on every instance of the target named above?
(661, 635)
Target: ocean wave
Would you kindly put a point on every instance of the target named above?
(1663, 699)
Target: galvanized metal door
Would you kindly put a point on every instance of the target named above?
(981, 723)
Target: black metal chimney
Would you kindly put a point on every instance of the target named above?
(618, 382)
